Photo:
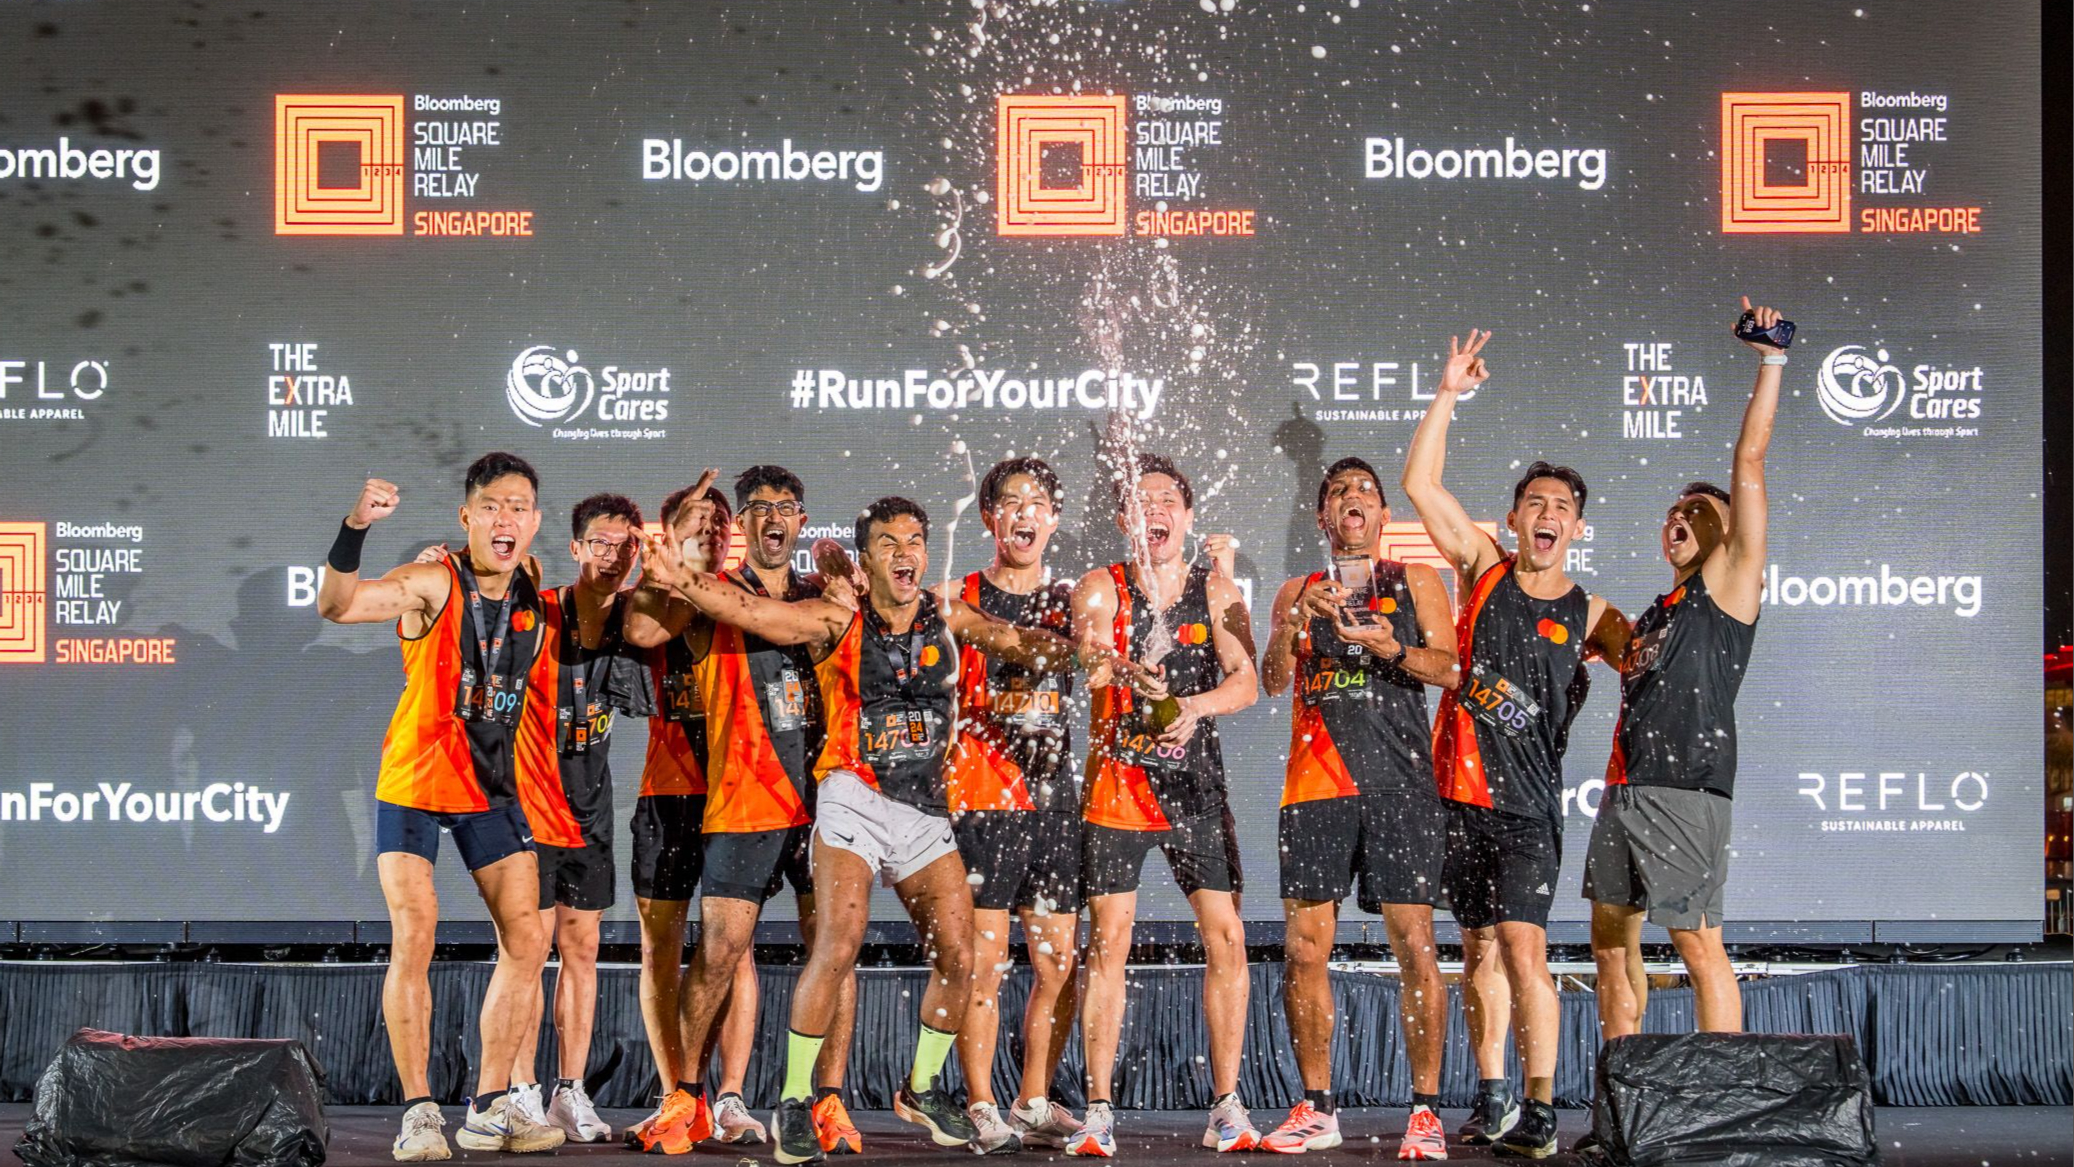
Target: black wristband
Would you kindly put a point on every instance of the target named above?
(1403, 650)
(345, 550)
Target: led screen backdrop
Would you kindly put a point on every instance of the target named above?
(252, 254)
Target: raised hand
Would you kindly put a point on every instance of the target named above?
(377, 501)
(662, 560)
(1766, 317)
(833, 562)
(1223, 551)
(1465, 369)
(437, 553)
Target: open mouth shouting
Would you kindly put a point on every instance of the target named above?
(772, 536)
(504, 547)
(1353, 524)
(1544, 538)
(1681, 534)
(1157, 537)
(1023, 536)
(904, 576)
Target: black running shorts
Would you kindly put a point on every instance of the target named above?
(1022, 856)
(669, 850)
(1202, 851)
(1393, 843)
(577, 877)
(756, 865)
(1500, 868)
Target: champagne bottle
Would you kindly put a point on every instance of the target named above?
(1165, 712)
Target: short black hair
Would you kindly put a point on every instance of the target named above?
(1149, 464)
(1563, 474)
(886, 510)
(1037, 468)
(775, 477)
(1341, 467)
(602, 506)
(677, 498)
(490, 467)
(1706, 488)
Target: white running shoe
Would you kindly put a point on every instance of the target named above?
(1097, 1133)
(530, 1101)
(991, 1136)
(574, 1115)
(506, 1127)
(423, 1138)
(1230, 1128)
(732, 1122)
(1042, 1123)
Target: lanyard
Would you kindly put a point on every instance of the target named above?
(586, 676)
(489, 651)
(907, 667)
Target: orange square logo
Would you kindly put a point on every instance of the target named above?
(1409, 543)
(370, 127)
(23, 594)
(1041, 188)
(1751, 203)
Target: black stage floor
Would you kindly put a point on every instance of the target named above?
(1958, 1136)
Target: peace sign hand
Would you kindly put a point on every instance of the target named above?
(1465, 369)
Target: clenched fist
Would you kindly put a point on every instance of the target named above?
(377, 501)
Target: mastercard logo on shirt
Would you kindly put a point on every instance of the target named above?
(1386, 605)
(930, 656)
(1554, 630)
(524, 619)
(1193, 634)
(1671, 601)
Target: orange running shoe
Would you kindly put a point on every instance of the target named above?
(683, 1121)
(839, 1136)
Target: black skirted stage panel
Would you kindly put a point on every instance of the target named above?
(1932, 1036)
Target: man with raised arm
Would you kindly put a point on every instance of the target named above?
(1659, 849)
(1358, 801)
(473, 630)
(1155, 778)
(757, 706)
(1015, 805)
(1523, 634)
(888, 678)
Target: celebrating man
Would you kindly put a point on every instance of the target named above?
(1660, 846)
(1156, 778)
(1523, 634)
(1358, 801)
(471, 630)
(1015, 805)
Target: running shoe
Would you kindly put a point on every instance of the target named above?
(1534, 1136)
(1230, 1129)
(1306, 1129)
(633, 1134)
(679, 1124)
(423, 1138)
(991, 1135)
(529, 1102)
(1424, 1137)
(1097, 1133)
(1489, 1119)
(505, 1127)
(732, 1122)
(933, 1111)
(1040, 1122)
(798, 1140)
(574, 1114)
(832, 1126)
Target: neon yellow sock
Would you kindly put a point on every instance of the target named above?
(931, 1048)
(800, 1052)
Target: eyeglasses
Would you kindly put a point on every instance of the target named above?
(764, 510)
(608, 548)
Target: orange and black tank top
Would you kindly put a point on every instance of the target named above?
(763, 723)
(1678, 685)
(1133, 782)
(676, 762)
(1014, 739)
(1360, 724)
(433, 760)
(1500, 737)
(890, 698)
(537, 760)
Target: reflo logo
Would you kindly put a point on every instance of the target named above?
(1859, 388)
(547, 388)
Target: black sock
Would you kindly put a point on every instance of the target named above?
(1098, 1102)
(1498, 1088)
(484, 1102)
(726, 1096)
(692, 1088)
(410, 1102)
(821, 1092)
(562, 1084)
(1429, 1101)
(1320, 1100)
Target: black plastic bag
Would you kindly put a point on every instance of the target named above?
(108, 1100)
(1733, 1100)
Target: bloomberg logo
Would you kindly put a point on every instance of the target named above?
(1960, 594)
(1393, 157)
(666, 159)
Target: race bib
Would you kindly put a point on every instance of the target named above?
(580, 734)
(1137, 745)
(1645, 650)
(682, 701)
(902, 736)
(1345, 682)
(1497, 702)
(496, 698)
(785, 702)
(1030, 712)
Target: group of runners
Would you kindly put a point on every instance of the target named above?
(834, 728)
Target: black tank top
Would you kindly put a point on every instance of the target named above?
(907, 684)
(1678, 688)
(1523, 681)
(1040, 736)
(1193, 783)
(1375, 713)
(780, 675)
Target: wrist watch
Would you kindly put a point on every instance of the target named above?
(1775, 358)
(1402, 649)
